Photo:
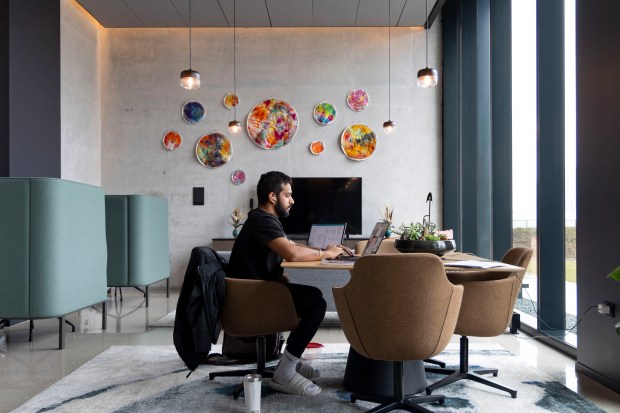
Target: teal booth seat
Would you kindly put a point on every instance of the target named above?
(52, 249)
(138, 242)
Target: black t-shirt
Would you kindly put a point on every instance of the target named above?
(251, 258)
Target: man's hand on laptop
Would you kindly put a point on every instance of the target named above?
(332, 251)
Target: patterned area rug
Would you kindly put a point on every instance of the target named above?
(151, 379)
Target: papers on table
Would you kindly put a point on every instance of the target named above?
(325, 261)
(475, 264)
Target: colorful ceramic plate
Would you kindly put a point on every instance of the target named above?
(316, 147)
(324, 113)
(231, 100)
(272, 124)
(358, 99)
(213, 150)
(172, 140)
(237, 177)
(358, 142)
(193, 111)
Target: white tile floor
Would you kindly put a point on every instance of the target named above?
(28, 368)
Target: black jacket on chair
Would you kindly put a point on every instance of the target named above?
(202, 295)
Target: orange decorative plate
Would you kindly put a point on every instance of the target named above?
(317, 147)
(172, 140)
(230, 100)
(358, 142)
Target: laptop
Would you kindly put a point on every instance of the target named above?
(372, 246)
(322, 235)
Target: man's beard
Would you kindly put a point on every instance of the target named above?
(281, 211)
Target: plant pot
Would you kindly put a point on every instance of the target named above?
(432, 247)
(236, 232)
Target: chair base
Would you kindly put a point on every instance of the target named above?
(399, 400)
(409, 403)
(465, 374)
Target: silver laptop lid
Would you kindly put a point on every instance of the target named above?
(322, 235)
(376, 236)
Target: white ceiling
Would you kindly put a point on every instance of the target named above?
(261, 13)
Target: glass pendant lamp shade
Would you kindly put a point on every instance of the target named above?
(389, 126)
(234, 126)
(427, 77)
(190, 79)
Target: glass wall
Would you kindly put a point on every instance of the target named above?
(524, 155)
(524, 220)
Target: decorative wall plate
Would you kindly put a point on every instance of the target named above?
(172, 140)
(272, 124)
(213, 150)
(317, 147)
(230, 100)
(358, 142)
(237, 177)
(324, 113)
(193, 111)
(358, 99)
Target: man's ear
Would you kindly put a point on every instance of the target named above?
(272, 197)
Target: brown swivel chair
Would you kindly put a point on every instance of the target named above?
(488, 303)
(387, 247)
(398, 307)
(245, 315)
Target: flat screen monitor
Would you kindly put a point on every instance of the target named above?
(325, 201)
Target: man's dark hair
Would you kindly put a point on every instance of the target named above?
(271, 182)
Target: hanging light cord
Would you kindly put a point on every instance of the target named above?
(235, 53)
(190, 34)
(426, 24)
(389, 63)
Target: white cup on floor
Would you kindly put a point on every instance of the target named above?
(251, 391)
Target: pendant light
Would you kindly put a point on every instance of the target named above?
(427, 77)
(390, 125)
(190, 79)
(234, 126)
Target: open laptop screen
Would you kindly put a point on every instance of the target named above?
(374, 242)
(322, 235)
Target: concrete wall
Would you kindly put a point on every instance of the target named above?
(80, 98)
(141, 100)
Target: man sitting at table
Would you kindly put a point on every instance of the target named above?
(258, 253)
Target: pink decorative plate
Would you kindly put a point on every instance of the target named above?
(272, 124)
(237, 177)
(358, 99)
(172, 140)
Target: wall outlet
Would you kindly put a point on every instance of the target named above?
(607, 308)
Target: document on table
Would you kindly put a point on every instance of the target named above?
(474, 264)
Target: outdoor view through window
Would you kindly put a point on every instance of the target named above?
(524, 137)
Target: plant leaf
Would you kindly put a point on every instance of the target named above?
(615, 274)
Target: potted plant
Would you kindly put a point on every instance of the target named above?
(615, 275)
(386, 216)
(237, 218)
(424, 237)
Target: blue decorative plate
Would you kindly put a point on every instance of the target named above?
(193, 111)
